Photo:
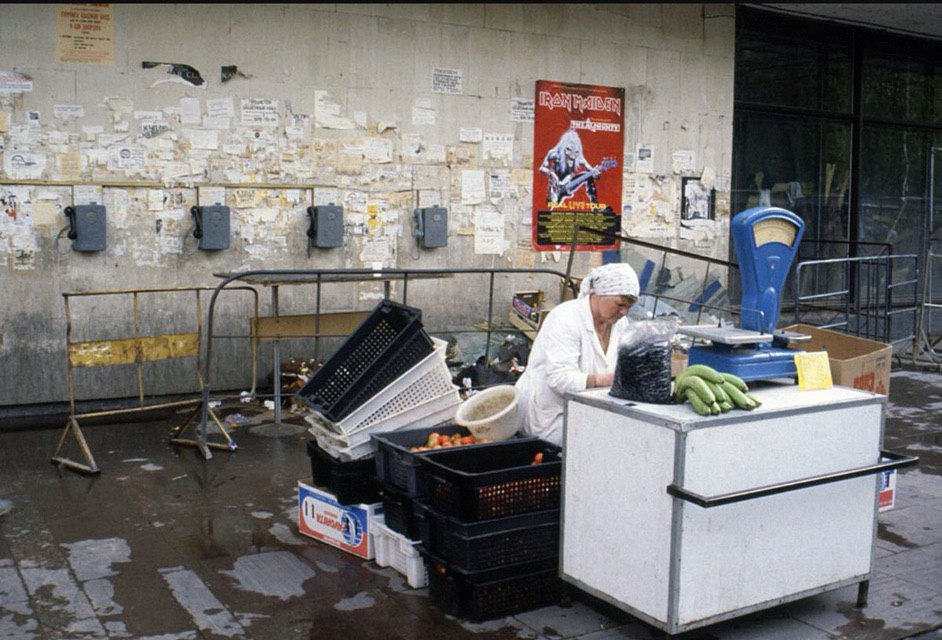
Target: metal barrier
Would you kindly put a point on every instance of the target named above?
(135, 350)
(864, 302)
(275, 278)
(925, 351)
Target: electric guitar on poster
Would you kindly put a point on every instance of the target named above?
(557, 191)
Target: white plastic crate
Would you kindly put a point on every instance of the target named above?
(397, 551)
(428, 380)
(359, 445)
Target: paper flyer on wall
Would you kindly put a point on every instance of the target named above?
(578, 149)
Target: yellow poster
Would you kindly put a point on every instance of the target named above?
(85, 33)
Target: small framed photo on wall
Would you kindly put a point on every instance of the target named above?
(697, 202)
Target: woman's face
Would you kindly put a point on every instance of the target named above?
(611, 309)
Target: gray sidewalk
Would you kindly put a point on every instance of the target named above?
(165, 546)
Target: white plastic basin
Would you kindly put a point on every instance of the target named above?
(490, 414)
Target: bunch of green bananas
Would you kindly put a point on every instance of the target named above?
(711, 392)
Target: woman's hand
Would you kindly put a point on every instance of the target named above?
(600, 379)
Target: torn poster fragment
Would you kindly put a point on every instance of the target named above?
(228, 72)
(15, 82)
(184, 73)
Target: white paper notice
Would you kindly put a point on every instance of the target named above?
(430, 198)
(522, 110)
(470, 134)
(327, 113)
(259, 112)
(91, 194)
(66, 111)
(209, 196)
(423, 113)
(190, 111)
(377, 150)
(155, 199)
(220, 124)
(15, 82)
(644, 158)
(23, 165)
(682, 161)
(488, 231)
(220, 108)
(326, 195)
(200, 139)
(127, 158)
(435, 153)
(448, 81)
(498, 146)
(472, 186)
(499, 185)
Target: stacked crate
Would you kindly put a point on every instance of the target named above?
(389, 374)
(488, 518)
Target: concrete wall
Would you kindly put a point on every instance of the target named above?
(348, 90)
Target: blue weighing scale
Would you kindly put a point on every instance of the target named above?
(766, 241)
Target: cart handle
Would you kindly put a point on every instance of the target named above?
(892, 461)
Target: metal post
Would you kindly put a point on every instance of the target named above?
(276, 350)
(490, 312)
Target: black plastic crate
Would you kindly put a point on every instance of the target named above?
(399, 512)
(389, 342)
(495, 593)
(396, 465)
(351, 482)
(490, 544)
(473, 484)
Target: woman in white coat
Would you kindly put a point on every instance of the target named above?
(576, 348)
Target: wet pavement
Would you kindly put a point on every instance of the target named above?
(163, 545)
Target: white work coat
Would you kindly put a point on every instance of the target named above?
(564, 353)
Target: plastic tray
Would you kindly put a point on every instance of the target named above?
(427, 380)
(495, 593)
(389, 342)
(351, 482)
(399, 512)
(476, 483)
(396, 465)
(490, 544)
(396, 551)
(359, 445)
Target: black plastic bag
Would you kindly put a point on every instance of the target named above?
(643, 369)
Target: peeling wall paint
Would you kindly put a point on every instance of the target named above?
(384, 125)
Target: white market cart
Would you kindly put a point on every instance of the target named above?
(684, 521)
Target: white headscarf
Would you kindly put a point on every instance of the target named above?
(613, 279)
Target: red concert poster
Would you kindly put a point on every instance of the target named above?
(578, 145)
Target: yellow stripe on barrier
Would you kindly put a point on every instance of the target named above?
(106, 353)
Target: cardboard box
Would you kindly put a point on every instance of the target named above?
(346, 527)
(855, 362)
(566, 293)
(887, 494)
(528, 311)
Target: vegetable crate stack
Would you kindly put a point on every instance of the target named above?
(388, 375)
(487, 516)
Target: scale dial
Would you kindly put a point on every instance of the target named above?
(774, 230)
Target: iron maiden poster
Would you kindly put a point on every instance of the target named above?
(578, 143)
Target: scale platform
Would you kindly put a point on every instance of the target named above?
(750, 355)
(725, 335)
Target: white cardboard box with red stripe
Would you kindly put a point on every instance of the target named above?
(346, 527)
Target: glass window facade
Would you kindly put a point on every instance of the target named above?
(839, 124)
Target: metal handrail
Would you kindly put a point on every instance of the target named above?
(895, 461)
